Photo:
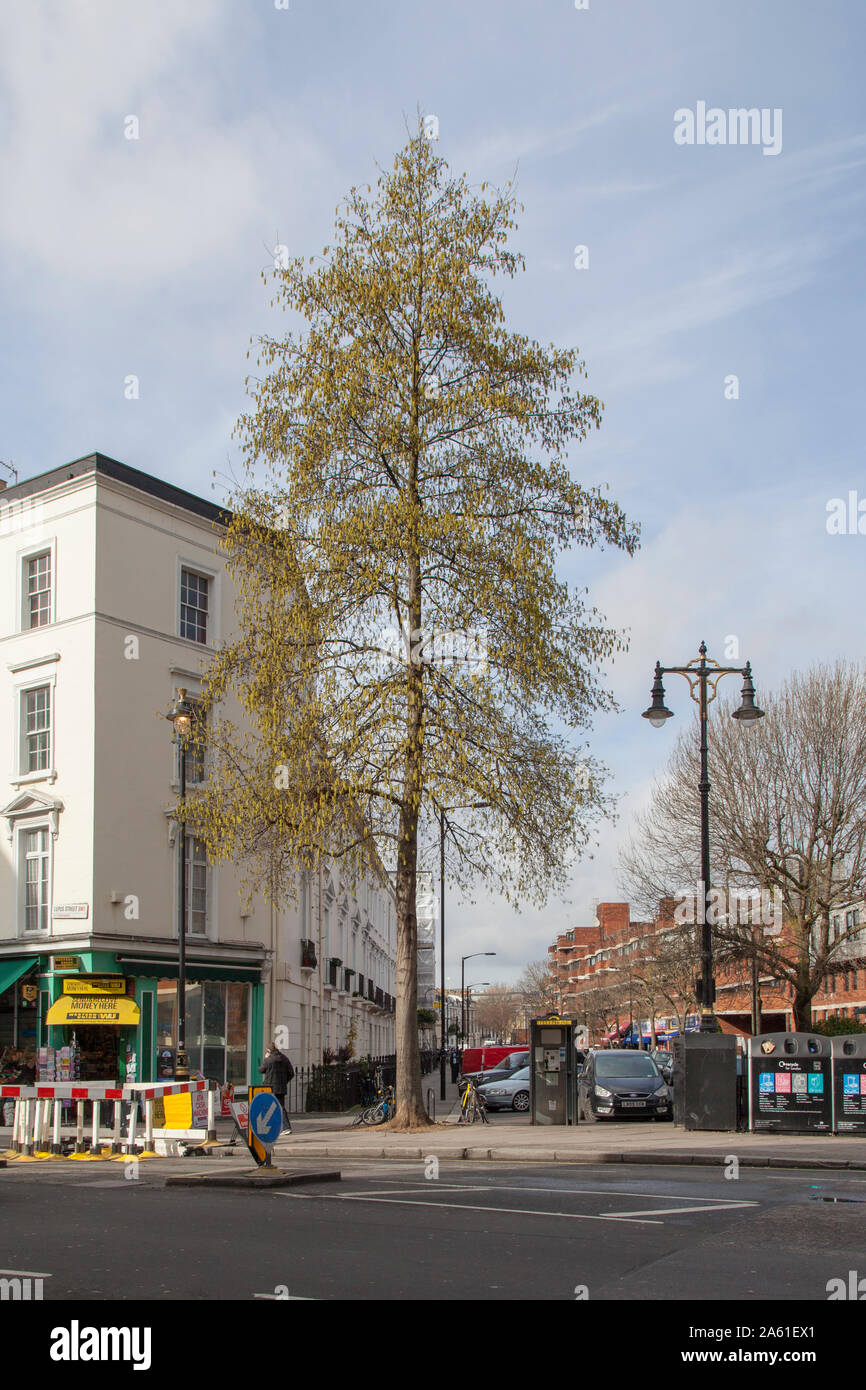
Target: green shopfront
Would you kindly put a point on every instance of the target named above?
(224, 1014)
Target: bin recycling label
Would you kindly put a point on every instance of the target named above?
(791, 1093)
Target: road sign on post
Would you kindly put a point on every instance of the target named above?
(265, 1123)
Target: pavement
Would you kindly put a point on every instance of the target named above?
(511, 1138)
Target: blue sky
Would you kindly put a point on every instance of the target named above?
(143, 257)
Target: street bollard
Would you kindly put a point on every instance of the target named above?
(94, 1141)
(211, 1116)
(56, 1146)
(129, 1147)
(28, 1142)
(80, 1146)
(116, 1141)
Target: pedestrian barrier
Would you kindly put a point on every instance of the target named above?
(36, 1131)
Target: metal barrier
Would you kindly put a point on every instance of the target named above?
(35, 1136)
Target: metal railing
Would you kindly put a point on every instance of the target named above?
(342, 1085)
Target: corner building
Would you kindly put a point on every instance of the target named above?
(113, 595)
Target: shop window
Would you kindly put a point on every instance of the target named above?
(217, 1016)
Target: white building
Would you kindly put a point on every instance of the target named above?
(112, 596)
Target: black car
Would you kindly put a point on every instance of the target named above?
(622, 1082)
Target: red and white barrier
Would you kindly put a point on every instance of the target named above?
(32, 1124)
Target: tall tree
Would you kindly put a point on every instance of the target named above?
(405, 641)
(787, 815)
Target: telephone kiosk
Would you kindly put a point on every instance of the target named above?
(552, 1071)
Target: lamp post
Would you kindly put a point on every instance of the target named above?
(463, 960)
(180, 716)
(703, 673)
(475, 806)
(469, 988)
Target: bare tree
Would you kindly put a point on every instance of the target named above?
(787, 817)
(539, 988)
(496, 1009)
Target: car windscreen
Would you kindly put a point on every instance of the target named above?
(639, 1065)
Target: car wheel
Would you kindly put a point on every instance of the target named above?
(521, 1101)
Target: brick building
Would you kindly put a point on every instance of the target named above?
(597, 972)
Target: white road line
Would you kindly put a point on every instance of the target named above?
(676, 1211)
(25, 1273)
(467, 1206)
(285, 1297)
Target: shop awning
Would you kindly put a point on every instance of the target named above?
(108, 1009)
(12, 970)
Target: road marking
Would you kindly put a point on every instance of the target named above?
(286, 1297)
(466, 1206)
(24, 1273)
(676, 1211)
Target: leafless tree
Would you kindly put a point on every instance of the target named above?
(497, 1009)
(787, 815)
(538, 987)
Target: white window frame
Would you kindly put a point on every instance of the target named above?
(20, 690)
(47, 546)
(212, 575)
(27, 827)
(189, 839)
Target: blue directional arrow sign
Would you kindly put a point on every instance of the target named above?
(266, 1118)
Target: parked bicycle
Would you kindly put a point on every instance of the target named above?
(472, 1105)
(382, 1109)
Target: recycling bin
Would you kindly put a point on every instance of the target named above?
(790, 1083)
(849, 1083)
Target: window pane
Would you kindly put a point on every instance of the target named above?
(213, 1063)
(166, 1013)
(196, 887)
(193, 1025)
(34, 846)
(36, 723)
(38, 582)
(193, 606)
(236, 1032)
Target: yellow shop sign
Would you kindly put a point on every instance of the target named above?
(95, 984)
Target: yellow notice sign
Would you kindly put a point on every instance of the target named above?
(95, 984)
(92, 1008)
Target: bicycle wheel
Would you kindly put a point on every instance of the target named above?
(377, 1114)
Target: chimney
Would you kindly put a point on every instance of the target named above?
(613, 918)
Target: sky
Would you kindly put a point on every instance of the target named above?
(152, 157)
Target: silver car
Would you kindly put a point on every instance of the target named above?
(511, 1094)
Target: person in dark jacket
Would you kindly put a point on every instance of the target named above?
(278, 1071)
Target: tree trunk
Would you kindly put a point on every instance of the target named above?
(410, 1101)
(802, 1006)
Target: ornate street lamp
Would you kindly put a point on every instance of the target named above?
(703, 674)
(180, 716)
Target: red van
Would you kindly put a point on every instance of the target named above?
(477, 1059)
